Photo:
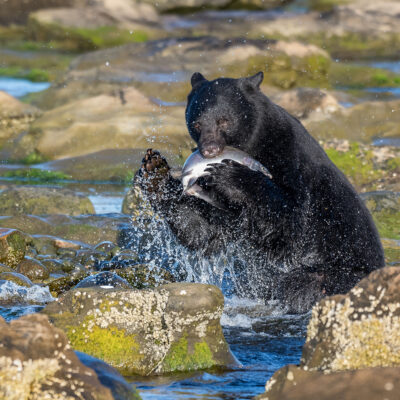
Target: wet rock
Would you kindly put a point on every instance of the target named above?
(109, 377)
(106, 165)
(106, 279)
(17, 278)
(359, 329)
(105, 246)
(44, 244)
(172, 328)
(15, 116)
(4, 268)
(142, 276)
(33, 269)
(90, 229)
(43, 200)
(65, 283)
(12, 247)
(294, 383)
(36, 361)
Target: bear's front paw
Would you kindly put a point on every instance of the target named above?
(228, 181)
(153, 171)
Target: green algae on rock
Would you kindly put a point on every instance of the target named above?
(171, 328)
(12, 247)
(360, 329)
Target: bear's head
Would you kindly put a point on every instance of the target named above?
(222, 112)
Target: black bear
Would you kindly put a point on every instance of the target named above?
(311, 231)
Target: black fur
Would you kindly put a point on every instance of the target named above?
(308, 222)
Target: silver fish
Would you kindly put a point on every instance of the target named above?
(195, 165)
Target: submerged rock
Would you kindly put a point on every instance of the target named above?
(12, 247)
(43, 200)
(36, 362)
(294, 383)
(359, 329)
(104, 279)
(171, 328)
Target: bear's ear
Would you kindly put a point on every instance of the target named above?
(196, 79)
(256, 79)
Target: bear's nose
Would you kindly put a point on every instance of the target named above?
(211, 150)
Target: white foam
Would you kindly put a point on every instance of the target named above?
(13, 293)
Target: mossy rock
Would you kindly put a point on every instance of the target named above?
(172, 328)
(12, 247)
(32, 269)
(385, 209)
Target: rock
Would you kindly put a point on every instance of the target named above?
(109, 24)
(65, 283)
(385, 209)
(304, 101)
(359, 329)
(362, 122)
(17, 278)
(116, 165)
(15, 116)
(392, 251)
(44, 244)
(171, 328)
(37, 362)
(107, 121)
(104, 279)
(43, 200)
(17, 11)
(367, 167)
(32, 269)
(109, 377)
(294, 383)
(12, 247)
(89, 229)
(4, 268)
(184, 5)
(142, 276)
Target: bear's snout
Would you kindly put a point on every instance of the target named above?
(211, 149)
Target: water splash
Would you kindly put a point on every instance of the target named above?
(11, 293)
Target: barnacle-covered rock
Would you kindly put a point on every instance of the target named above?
(36, 362)
(174, 327)
(360, 329)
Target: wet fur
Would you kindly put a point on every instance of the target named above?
(315, 233)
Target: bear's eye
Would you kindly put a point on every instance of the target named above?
(196, 126)
(222, 123)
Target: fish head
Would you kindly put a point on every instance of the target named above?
(221, 112)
